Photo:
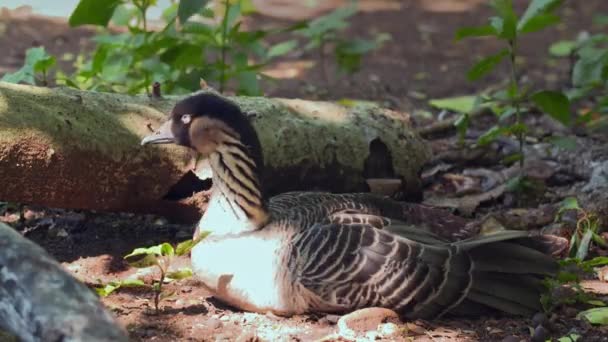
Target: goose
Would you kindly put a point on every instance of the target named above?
(315, 252)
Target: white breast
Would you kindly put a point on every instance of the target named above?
(246, 271)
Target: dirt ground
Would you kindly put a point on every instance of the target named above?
(420, 62)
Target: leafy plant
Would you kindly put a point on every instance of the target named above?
(323, 32)
(515, 100)
(160, 256)
(106, 289)
(571, 268)
(35, 68)
(595, 316)
(589, 71)
(587, 229)
(191, 45)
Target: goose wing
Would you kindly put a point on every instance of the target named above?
(350, 266)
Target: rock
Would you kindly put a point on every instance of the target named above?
(388, 330)
(539, 319)
(364, 320)
(415, 329)
(248, 336)
(372, 335)
(540, 334)
(214, 323)
(330, 319)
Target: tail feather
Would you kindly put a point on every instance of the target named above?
(500, 271)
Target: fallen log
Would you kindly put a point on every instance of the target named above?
(40, 301)
(62, 147)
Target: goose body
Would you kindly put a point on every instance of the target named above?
(304, 252)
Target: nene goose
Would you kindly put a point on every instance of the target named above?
(306, 252)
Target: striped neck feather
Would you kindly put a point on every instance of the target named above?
(237, 202)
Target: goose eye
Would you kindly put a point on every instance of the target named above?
(186, 118)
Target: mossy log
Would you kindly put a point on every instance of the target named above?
(62, 147)
(40, 301)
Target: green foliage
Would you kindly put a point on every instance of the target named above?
(188, 8)
(575, 265)
(93, 12)
(197, 40)
(586, 232)
(107, 289)
(506, 26)
(595, 316)
(325, 31)
(160, 256)
(37, 63)
(589, 76)
(555, 104)
(459, 104)
(190, 46)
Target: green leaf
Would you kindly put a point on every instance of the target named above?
(123, 15)
(93, 12)
(140, 261)
(182, 56)
(459, 104)
(486, 65)
(567, 143)
(21, 75)
(569, 338)
(234, 11)
(491, 135)
(282, 48)
(185, 246)
(569, 203)
(44, 64)
(34, 58)
(596, 302)
(166, 249)
(537, 8)
(539, 22)
(506, 24)
(583, 246)
(477, 31)
(188, 8)
(589, 69)
(600, 20)
(555, 104)
(131, 283)
(562, 48)
(333, 22)
(182, 273)
(248, 83)
(595, 262)
(595, 316)
(107, 289)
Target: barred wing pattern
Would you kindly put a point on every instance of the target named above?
(353, 266)
(302, 210)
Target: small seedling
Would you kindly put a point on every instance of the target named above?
(34, 70)
(506, 26)
(324, 32)
(588, 55)
(587, 229)
(160, 256)
(586, 232)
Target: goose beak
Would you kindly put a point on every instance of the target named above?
(163, 135)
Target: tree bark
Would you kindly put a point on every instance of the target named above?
(40, 301)
(62, 147)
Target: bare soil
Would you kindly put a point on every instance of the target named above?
(420, 62)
